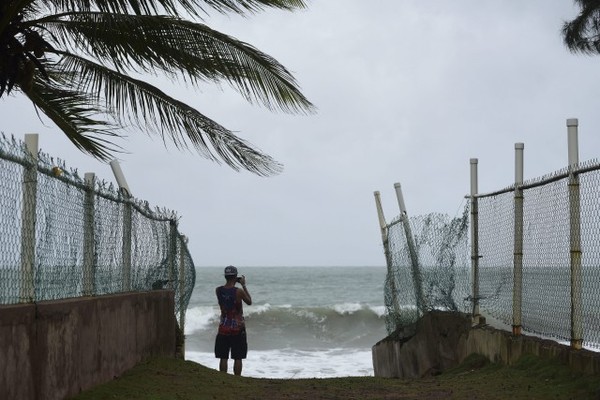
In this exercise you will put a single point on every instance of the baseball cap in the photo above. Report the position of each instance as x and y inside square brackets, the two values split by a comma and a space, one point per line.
[231, 271]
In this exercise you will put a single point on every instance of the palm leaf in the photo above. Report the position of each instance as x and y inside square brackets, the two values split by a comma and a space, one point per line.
[132, 101]
[173, 7]
[91, 100]
[71, 111]
[183, 48]
[242, 6]
[582, 34]
[11, 9]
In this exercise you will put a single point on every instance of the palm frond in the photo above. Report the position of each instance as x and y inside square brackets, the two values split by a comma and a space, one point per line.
[183, 48]
[10, 10]
[173, 7]
[74, 58]
[20, 46]
[70, 110]
[582, 34]
[132, 101]
[139, 7]
[243, 6]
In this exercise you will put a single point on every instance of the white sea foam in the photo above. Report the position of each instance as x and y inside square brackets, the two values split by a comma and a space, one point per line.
[199, 318]
[257, 309]
[351, 308]
[379, 310]
[309, 315]
[294, 364]
[347, 308]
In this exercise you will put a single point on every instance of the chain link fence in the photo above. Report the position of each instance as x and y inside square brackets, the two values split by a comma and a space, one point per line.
[64, 237]
[560, 278]
[548, 297]
[441, 278]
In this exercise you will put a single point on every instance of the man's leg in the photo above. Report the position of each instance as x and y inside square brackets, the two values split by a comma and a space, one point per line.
[239, 349]
[223, 365]
[237, 367]
[222, 351]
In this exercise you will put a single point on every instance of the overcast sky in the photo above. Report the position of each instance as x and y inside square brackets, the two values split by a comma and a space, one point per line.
[407, 91]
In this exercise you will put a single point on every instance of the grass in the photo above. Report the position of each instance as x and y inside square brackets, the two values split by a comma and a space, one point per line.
[477, 378]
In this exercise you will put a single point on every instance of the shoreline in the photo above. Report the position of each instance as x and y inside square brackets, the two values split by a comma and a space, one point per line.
[295, 364]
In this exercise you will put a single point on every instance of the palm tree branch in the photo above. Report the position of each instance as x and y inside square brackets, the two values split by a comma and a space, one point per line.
[582, 34]
[180, 48]
[71, 112]
[173, 7]
[133, 101]
[243, 6]
[11, 9]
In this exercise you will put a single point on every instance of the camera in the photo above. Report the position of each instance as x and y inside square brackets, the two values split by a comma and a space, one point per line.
[238, 279]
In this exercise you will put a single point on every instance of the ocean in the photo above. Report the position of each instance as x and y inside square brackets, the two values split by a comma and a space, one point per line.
[305, 322]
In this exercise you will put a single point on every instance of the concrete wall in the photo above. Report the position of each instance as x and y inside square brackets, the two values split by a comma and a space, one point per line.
[56, 349]
[442, 340]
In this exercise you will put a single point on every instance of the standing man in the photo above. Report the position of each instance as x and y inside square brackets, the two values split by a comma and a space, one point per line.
[232, 328]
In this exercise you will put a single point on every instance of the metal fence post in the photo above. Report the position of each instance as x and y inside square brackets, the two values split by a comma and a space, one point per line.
[386, 249]
[127, 224]
[88, 236]
[182, 247]
[575, 235]
[126, 250]
[27, 290]
[518, 242]
[172, 252]
[475, 242]
[412, 249]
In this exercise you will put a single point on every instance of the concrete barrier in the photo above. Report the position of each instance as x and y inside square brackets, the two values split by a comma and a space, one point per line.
[441, 340]
[56, 349]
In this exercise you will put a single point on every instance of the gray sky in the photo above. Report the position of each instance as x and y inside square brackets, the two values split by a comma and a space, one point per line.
[407, 91]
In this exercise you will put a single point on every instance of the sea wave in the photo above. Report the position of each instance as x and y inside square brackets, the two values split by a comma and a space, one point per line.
[274, 327]
[200, 318]
[351, 308]
[203, 317]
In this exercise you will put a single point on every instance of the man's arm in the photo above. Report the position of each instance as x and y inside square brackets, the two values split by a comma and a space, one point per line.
[244, 292]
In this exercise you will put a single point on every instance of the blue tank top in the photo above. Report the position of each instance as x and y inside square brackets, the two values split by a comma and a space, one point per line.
[232, 314]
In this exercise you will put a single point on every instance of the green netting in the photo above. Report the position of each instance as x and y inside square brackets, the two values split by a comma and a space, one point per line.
[441, 254]
[81, 235]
